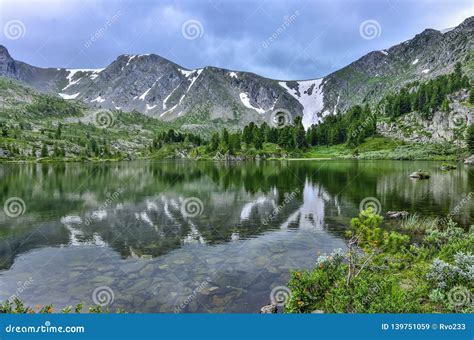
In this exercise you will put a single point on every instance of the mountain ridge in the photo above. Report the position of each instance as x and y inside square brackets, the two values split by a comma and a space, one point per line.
[160, 88]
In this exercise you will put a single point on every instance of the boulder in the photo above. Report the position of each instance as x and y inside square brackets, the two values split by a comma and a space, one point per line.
[469, 160]
[397, 214]
[420, 174]
[269, 309]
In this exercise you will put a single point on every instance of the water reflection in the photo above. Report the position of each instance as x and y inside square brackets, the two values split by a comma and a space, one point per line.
[122, 224]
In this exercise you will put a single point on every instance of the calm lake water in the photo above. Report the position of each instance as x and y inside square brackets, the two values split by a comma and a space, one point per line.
[197, 236]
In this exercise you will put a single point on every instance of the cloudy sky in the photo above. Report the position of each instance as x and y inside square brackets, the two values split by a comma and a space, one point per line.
[282, 39]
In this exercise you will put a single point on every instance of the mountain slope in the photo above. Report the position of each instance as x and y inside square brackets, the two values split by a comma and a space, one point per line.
[160, 88]
[427, 55]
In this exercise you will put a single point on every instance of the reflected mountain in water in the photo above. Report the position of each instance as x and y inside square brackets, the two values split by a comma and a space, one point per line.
[136, 208]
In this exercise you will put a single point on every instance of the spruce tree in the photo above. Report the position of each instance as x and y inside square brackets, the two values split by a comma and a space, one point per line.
[300, 134]
[470, 138]
[259, 139]
[44, 151]
[214, 144]
[471, 95]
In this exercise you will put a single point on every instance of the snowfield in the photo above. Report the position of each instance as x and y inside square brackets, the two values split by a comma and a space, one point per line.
[244, 98]
[310, 95]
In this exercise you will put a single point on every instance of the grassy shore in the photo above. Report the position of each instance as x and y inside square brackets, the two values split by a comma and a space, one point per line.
[391, 272]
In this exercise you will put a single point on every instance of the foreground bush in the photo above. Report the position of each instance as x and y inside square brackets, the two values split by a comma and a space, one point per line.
[384, 272]
[16, 306]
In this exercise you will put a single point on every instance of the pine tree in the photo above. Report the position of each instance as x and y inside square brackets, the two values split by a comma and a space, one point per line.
[471, 95]
[248, 133]
[470, 138]
[57, 151]
[259, 139]
[58, 131]
[44, 151]
[225, 137]
[300, 134]
[214, 144]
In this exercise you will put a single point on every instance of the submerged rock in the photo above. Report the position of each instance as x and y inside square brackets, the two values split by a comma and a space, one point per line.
[446, 167]
[397, 214]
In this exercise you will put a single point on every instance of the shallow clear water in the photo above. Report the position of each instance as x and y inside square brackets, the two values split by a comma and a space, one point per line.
[195, 236]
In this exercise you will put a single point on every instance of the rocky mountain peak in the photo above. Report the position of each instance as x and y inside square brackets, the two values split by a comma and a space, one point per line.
[158, 87]
[4, 54]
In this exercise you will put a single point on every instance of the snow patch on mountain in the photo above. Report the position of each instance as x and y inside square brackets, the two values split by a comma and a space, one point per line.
[244, 98]
[195, 75]
[168, 97]
[130, 58]
[99, 99]
[415, 61]
[142, 97]
[310, 95]
[72, 72]
[186, 73]
[68, 96]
